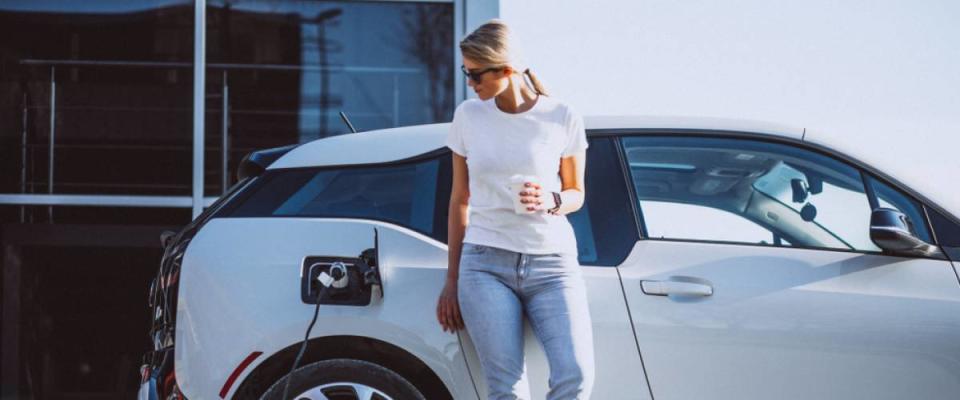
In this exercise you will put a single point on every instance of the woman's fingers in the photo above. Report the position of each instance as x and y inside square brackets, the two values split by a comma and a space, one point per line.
[534, 204]
[450, 321]
[445, 319]
[531, 196]
[451, 315]
[448, 310]
[448, 314]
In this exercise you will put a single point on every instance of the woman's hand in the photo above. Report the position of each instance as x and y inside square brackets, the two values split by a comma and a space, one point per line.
[448, 309]
[531, 196]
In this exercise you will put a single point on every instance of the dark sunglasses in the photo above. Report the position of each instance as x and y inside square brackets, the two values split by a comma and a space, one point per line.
[477, 76]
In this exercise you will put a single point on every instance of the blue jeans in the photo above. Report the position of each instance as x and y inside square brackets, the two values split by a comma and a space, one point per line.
[497, 287]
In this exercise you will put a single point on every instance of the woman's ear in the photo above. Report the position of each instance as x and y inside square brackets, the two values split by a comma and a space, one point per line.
[507, 71]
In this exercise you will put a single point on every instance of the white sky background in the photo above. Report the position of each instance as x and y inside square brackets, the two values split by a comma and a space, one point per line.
[879, 79]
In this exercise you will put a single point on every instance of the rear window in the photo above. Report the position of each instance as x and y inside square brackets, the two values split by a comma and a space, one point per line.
[412, 194]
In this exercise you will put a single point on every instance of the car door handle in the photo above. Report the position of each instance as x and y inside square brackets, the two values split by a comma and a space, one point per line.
[676, 288]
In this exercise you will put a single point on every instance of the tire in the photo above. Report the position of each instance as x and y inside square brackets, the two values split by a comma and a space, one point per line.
[344, 378]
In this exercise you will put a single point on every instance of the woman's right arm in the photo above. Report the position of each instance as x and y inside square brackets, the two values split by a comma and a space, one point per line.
[448, 309]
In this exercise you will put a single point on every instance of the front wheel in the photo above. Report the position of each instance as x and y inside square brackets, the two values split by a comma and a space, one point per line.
[344, 379]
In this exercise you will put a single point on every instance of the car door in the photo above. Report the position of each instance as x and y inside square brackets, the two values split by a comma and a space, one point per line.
[757, 277]
[605, 234]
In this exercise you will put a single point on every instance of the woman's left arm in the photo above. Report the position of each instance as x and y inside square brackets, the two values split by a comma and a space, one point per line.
[572, 190]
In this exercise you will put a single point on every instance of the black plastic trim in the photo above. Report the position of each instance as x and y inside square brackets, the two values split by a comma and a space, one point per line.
[254, 163]
[638, 221]
[413, 159]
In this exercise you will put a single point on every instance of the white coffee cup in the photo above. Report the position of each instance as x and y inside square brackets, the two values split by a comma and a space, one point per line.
[516, 186]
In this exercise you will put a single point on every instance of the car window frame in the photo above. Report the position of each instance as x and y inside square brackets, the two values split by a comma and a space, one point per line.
[863, 168]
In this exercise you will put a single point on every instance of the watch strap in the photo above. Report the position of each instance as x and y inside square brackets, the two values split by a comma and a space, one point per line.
[556, 201]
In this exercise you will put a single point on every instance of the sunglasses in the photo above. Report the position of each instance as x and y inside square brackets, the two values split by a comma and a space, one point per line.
[477, 76]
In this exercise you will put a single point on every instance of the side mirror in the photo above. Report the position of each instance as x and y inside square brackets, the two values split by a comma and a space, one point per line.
[892, 231]
[165, 238]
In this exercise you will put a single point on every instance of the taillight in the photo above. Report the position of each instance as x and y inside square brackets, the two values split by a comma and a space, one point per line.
[145, 373]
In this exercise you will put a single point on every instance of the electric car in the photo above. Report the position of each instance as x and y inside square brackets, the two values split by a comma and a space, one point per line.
[724, 260]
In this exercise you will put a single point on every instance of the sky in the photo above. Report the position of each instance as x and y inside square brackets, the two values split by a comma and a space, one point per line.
[879, 80]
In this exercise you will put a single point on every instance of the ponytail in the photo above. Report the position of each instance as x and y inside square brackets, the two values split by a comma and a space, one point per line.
[537, 86]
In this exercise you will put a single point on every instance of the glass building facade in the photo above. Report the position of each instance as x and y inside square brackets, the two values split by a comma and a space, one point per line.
[114, 128]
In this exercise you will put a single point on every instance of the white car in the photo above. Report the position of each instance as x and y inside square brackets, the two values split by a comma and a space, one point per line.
[723, 260]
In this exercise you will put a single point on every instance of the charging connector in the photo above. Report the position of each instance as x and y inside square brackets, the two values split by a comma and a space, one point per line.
[350, 280]
[334, 281]
[337, 273]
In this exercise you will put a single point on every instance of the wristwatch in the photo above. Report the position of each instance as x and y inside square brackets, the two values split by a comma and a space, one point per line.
[556, 200]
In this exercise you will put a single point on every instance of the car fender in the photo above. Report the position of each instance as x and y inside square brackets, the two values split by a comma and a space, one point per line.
[240, 293]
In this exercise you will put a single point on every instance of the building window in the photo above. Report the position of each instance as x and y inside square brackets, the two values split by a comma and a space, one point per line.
[283, 71]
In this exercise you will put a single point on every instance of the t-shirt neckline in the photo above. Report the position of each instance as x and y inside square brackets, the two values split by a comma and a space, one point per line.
[493, 103]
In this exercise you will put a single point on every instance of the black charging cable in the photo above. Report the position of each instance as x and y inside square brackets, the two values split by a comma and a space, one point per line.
[336, 274]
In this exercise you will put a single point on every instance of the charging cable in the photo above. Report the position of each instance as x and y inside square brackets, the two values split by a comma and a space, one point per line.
[338, 279]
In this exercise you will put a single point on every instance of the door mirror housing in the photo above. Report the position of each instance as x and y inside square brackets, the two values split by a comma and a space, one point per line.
[893, 232]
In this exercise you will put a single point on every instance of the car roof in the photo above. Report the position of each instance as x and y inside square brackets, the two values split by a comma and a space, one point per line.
[409, 141]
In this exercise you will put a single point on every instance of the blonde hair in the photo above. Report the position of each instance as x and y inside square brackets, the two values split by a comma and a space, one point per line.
[489, 45]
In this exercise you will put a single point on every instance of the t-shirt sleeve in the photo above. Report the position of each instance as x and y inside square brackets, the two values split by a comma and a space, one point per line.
[455, 137]
[576, 135]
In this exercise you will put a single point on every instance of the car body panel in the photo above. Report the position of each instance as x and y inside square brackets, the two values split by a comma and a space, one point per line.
[240, 293]
[793, 323]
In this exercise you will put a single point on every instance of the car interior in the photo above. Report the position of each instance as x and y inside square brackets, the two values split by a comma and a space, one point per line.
[777, 191]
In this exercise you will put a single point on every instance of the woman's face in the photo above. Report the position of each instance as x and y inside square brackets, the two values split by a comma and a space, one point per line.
[491, 83]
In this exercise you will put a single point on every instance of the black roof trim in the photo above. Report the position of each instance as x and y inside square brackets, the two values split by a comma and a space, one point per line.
[413, 159]
[255, 162]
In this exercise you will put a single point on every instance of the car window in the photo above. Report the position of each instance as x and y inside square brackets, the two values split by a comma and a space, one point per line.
[888, 197]
[661, 217]
[406, 194]
[417, 195]
[747, 191]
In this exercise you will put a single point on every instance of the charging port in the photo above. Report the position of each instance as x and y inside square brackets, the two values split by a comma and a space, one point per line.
[348, 279]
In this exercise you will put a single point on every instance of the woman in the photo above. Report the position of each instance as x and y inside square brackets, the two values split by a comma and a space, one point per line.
[504, 264]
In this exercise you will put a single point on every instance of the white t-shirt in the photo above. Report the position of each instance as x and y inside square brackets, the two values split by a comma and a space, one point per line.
[498, 145]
